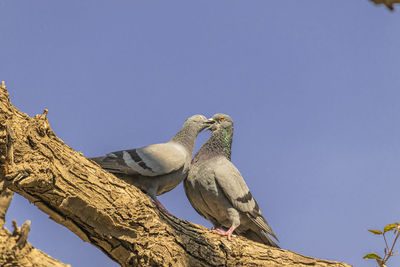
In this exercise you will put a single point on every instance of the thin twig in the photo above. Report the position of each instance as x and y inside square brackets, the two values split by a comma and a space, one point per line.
[391, 250]
[387, 247]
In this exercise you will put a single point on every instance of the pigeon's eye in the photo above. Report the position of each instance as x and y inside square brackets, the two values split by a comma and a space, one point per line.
[221, 119]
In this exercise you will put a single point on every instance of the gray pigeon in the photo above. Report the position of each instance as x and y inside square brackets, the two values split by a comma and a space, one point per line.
[217, 191]
[158, 168]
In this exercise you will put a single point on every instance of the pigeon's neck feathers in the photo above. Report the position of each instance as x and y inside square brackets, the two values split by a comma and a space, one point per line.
[219, 144]
[186, 137]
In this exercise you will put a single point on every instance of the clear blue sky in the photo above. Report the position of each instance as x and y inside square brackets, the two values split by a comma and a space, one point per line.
[313, 88]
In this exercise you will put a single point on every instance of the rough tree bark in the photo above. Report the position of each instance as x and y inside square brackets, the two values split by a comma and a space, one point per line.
[14, 250]
[107, 212]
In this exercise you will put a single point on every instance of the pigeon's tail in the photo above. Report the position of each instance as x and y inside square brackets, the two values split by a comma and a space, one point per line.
[262, 224]
[260, 236]
[107, 165]
[115, 164]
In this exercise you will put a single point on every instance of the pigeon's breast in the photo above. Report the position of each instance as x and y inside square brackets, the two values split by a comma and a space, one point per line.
[206, 195]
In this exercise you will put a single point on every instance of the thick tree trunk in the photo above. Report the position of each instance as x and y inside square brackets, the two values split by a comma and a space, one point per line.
[14, 250]
[109, 213]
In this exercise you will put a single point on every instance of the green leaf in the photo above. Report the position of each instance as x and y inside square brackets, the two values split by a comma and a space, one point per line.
[389, 227]
[377, 232]
[372, 256]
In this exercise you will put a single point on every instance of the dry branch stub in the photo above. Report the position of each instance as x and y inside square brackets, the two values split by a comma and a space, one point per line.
[388, 3]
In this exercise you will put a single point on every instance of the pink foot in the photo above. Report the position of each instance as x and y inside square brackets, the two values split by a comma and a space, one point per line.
[228, 233]
[161, 206]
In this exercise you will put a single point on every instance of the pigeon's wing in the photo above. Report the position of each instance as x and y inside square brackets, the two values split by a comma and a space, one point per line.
[236, 191]
[153, 160]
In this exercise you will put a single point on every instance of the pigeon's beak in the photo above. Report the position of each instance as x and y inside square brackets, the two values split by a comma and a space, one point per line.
[209, 123]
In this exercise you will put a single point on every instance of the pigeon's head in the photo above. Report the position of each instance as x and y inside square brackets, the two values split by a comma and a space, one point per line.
[221, 121]
[198, 121]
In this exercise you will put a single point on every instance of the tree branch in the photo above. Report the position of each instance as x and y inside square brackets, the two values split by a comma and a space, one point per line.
[111, 214]
[388, 3]
[14, 248]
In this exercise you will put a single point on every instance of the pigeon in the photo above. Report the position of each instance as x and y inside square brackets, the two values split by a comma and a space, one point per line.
[218, 192]
[159, 168]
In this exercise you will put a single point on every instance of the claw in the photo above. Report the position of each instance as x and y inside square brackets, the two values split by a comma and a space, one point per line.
[228, 233]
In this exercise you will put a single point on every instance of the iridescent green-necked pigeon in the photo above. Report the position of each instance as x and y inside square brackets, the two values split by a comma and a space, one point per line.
[218, 192]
